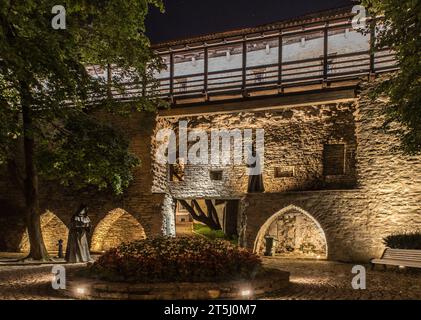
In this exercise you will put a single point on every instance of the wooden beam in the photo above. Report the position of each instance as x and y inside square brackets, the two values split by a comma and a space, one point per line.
[171, 74]
[244, 71]
[325, 52]
[206, 72]
[280, 39]
[310, 98]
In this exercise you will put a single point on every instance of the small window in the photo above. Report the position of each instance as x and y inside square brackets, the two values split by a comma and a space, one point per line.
[334, 159]
[216, 174]
[284, 172]
[176, 172]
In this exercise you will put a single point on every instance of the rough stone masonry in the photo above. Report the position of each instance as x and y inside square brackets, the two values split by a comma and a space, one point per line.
[374, 192]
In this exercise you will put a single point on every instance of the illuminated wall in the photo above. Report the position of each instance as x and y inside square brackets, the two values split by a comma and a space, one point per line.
[115, 228]
[296, 234]
[379, 192]
[53, 229]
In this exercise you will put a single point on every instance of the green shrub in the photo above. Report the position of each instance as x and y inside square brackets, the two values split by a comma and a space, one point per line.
[208, 232]
[192, 259]
[212, 234]
[408, 240]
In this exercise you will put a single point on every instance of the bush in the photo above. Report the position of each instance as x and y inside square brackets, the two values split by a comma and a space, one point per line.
[408, 240]
[182, 259]
[213, 234]
[208, 232]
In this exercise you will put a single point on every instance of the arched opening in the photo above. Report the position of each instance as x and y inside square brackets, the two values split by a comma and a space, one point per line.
[53, 230]
[117, 227]
[297, 235]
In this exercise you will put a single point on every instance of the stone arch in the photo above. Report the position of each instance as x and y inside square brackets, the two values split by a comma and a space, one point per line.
[52, 228]
[312, 241]
[116, 227]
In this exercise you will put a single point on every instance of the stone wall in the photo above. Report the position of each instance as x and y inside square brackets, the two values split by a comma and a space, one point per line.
[379, 193]
[140, 204]
[296, 235]
[53, 230]
[386, 199]
[268, 281]
[294, 138]
[116, 228]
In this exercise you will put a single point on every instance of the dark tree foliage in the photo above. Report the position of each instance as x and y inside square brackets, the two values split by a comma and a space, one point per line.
[48, 99]
[401, 31]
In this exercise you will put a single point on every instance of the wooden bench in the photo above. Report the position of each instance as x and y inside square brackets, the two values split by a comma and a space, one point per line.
[399, 257]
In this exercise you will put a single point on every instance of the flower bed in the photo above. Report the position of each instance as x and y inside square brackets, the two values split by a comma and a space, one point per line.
[192, 259]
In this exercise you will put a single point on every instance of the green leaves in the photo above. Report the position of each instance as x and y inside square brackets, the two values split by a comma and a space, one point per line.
[10, 129]
[85, 153]
[72, 147]
[402, 32]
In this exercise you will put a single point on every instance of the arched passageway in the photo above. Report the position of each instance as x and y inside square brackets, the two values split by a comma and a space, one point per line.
[117, 227]
[297, 235]
[53, 229]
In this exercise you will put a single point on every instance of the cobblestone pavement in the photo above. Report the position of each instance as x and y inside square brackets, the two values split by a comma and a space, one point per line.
[28, 283]
[309, 280]
[325, 280]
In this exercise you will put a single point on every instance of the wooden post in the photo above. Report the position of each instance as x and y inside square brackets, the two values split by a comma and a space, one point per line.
[244, 67]
[171, 75]
[325, 54]
[206, 73]
[280, 39]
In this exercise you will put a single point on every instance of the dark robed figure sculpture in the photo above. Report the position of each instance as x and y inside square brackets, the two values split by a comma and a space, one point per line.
[77, 244]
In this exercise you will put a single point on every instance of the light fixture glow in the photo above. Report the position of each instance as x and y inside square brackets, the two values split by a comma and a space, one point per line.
[81, 291]
[246, 293]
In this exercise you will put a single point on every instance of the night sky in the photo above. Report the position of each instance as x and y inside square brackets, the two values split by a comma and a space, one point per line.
[188, 18]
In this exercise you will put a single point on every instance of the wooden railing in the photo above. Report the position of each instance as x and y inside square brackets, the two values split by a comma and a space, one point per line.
[286, 74]
[322, 68]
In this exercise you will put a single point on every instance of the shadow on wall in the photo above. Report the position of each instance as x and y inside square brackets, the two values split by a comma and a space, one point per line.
[12, 226]
[116, 227]
[297, 235]
[53, 229]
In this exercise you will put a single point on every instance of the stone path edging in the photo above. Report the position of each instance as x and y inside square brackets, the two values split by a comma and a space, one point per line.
[271, 281]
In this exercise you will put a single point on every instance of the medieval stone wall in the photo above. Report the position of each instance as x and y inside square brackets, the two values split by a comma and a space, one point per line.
[142, 207]
[386, 201]
[294, 138]
[296, 235]
[379, 193]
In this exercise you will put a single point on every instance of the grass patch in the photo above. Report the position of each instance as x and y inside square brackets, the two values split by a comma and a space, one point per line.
[212, 234]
